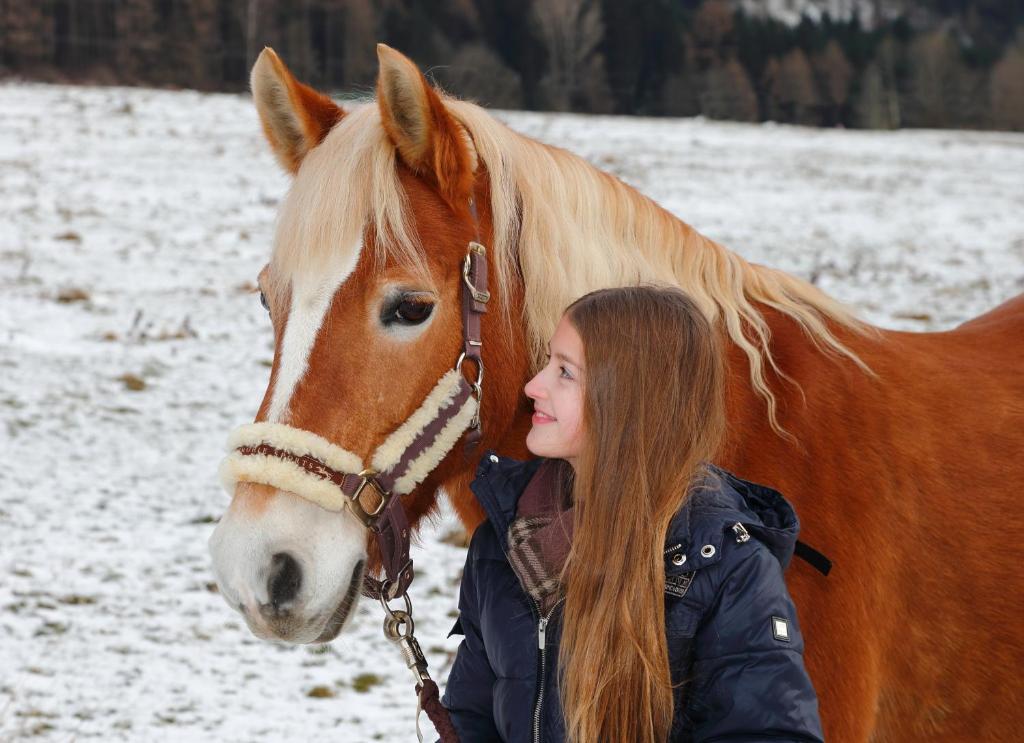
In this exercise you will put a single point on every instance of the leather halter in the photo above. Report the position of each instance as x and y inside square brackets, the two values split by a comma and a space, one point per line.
[314, 468]
[318, 470]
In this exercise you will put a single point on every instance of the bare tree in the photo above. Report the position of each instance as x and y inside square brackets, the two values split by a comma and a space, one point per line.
[26, 36]
[793, 94]
[712, 28]
[728, 93]
[477, 73]
[359, 60]
[834, 75]
[571, 31]
[936, 83]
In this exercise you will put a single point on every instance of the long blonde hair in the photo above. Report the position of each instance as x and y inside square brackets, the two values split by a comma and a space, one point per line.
[654, 413]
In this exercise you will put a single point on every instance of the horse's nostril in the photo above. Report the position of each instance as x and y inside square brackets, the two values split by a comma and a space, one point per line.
[284, 581]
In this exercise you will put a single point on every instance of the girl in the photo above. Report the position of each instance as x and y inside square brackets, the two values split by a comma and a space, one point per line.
[622, 588]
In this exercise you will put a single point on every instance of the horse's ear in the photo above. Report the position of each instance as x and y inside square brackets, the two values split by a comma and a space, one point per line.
[429, 139]
[295, 117]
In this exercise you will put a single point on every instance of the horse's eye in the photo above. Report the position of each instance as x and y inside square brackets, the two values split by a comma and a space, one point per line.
[264, 302]
[412, 312]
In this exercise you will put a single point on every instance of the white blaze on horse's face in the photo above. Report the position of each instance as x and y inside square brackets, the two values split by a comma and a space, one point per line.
[291, 568]
[311, 297]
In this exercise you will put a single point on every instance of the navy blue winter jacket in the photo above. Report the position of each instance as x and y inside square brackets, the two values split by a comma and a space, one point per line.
[732, 629]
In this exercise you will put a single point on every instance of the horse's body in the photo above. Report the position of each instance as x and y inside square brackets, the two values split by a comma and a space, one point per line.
[909, 481]
[900, 451]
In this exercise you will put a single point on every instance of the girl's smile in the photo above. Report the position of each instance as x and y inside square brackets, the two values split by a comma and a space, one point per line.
[540, 418]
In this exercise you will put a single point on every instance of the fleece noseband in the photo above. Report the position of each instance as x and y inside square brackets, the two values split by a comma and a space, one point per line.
[334, 478]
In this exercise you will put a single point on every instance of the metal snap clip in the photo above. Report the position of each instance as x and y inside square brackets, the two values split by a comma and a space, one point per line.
[678, 559]
[708, 550]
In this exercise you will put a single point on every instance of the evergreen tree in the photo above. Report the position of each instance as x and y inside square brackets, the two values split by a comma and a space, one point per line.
[642, 49]
[682, 89]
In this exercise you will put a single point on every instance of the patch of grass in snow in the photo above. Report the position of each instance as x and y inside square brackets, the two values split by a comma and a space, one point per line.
[133, 382]
[74, 599]
[38, 728]
[72, 294]
[16, 426]
[52, 628]
[320, 692]
[366, 681]
[324, 649]
[122, 410]
[31, 723]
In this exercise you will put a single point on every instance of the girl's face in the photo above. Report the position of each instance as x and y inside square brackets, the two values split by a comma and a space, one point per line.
[557, 396]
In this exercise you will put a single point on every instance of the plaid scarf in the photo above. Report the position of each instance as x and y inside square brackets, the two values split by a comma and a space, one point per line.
[540, 536]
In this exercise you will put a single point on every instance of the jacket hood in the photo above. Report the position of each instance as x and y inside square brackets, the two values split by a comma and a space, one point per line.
[761, 510]
[721, 504]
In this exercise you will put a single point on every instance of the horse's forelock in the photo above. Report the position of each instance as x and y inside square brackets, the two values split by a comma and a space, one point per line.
[348, 186]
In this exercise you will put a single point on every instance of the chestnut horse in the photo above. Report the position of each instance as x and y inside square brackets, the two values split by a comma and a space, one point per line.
[901, 451]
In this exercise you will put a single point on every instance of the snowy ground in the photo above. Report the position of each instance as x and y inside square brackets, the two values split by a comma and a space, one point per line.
[132, 226]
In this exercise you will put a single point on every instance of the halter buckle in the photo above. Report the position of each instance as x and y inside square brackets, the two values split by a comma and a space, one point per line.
[483, 297]
[477, 387]
[479, 383]
[368, 518]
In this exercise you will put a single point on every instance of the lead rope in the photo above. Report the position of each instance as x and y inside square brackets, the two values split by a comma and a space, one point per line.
[428, 698]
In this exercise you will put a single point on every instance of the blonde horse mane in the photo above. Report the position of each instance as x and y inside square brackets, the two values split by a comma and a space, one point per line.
[569, 227]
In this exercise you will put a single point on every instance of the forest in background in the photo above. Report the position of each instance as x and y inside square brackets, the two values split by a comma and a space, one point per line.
[935, 63]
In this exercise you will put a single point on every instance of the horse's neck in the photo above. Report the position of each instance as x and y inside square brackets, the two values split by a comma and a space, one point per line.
[824, 397]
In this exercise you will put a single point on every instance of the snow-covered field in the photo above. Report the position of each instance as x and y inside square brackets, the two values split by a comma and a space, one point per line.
[132, 226]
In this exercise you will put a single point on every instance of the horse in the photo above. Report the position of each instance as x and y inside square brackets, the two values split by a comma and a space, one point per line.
[899, 450]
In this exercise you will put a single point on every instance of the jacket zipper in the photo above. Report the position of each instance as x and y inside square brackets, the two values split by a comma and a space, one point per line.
[542, 627]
